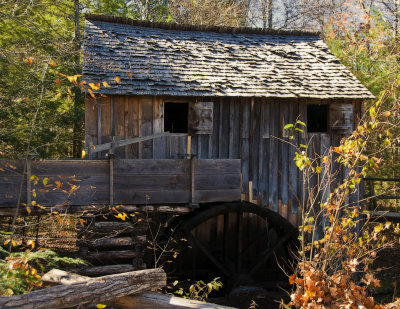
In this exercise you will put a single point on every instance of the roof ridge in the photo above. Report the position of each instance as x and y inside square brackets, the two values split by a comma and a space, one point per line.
[202, 28]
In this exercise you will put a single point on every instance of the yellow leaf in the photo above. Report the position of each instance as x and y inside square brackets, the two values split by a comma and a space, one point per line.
[31, 243]
[58, 95]
[118, 79]
[75, 78]
[101, 306]
[32, 177]
[52, 63]
[45, 181]
[94, 86]
[33, 193]
[69, 91]
[83, 154]
[13, 243]
[105, 84]
[33, 203]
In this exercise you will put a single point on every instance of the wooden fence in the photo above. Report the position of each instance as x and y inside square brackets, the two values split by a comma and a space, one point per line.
[118, 181]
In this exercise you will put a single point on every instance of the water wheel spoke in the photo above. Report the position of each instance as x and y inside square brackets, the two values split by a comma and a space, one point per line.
[254, 243]
[217, 263]
[266, 257]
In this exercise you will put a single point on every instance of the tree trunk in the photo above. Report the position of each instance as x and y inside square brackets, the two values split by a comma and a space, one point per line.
[77, 135]
[100, 289]
[270, 14]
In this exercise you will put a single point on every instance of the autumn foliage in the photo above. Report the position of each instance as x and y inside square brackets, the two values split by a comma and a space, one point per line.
[334, 267]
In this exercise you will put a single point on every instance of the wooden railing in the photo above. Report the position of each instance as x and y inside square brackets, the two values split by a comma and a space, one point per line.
[118, 181]
[373, 195]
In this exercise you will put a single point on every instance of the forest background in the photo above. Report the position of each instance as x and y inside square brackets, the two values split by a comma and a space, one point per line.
[43, 112]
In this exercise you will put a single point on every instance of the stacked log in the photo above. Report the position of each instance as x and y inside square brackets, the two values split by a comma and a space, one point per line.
[112, 245]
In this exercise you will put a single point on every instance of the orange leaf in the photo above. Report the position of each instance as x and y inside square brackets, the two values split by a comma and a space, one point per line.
[29, 60]
[291, 279]
[130, 75]
[58, 82]
[118, 79]
[91, 93]
[58, 183]
[52, 63]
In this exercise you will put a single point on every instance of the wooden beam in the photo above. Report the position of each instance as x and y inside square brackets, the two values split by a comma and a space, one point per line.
[97, 290]
[125, 142]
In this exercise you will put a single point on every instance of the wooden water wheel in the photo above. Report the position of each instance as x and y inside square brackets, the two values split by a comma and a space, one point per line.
[240, 242]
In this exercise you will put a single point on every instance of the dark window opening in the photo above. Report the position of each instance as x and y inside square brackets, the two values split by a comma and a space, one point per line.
[176, 117]
[317, 118]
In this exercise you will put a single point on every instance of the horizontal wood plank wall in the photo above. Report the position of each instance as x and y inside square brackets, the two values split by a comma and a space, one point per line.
[141, 182]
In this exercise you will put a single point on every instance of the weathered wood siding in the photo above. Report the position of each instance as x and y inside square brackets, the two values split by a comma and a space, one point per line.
[243, 128]
[134, 182]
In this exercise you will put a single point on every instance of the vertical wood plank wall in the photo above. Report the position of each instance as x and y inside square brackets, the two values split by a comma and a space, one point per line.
[245, 128]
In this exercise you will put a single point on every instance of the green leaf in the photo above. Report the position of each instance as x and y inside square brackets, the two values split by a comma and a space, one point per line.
[301, 123]
[289, 125]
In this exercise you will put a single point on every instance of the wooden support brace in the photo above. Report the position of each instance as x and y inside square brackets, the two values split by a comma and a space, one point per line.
[125, 142]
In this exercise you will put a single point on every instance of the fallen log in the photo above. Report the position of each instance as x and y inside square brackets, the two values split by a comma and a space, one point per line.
[92, 290]
[112, 255]
[151, 300]
[113, 242]
[57, 277]
[96, 271]
[146, 300]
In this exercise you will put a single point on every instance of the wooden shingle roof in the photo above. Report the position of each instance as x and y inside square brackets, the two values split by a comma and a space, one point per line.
[174, 60]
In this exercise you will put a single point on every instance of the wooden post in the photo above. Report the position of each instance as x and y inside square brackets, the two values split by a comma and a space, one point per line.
[372, 202]
[111, 163]
[98, 126]
[192, 172]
